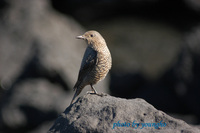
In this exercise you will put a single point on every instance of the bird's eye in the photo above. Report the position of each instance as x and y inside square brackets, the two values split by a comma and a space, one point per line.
[91, 35]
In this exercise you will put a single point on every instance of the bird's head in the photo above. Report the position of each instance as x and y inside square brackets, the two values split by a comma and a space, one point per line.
[92, 38]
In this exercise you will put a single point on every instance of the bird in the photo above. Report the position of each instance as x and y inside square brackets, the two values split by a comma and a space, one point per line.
[95, 65]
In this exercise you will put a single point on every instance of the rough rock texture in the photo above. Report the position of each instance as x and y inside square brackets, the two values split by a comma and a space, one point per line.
[92, 113]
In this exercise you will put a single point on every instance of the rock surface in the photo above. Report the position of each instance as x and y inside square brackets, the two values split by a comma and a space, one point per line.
[92, 113]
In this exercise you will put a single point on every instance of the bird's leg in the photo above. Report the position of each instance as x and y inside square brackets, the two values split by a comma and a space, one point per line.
[92, 87]
[95, 92]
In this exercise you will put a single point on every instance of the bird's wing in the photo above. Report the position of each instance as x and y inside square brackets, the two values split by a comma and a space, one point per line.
[88, 63]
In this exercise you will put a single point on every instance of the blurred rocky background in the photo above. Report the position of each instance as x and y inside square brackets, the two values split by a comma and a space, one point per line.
[155, 46]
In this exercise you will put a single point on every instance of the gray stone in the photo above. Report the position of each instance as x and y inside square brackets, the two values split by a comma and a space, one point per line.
[193, 5]
[39, 59]
[32, 102]
[92, 113]
[36, 41]
[32, 30]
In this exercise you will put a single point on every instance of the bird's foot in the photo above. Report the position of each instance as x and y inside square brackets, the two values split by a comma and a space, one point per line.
[90, 92]
[98, 94]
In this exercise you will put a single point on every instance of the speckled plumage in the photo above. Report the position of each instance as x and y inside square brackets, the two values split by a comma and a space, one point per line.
[96, 62]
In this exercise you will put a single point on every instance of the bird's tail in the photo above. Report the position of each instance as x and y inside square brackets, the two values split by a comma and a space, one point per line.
[73, 97]
[78, 91]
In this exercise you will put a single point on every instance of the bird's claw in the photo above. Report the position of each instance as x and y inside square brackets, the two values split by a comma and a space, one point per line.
[90, 92]
[98, 94]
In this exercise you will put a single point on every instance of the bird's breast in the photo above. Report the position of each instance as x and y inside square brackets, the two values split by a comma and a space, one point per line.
[103, 66]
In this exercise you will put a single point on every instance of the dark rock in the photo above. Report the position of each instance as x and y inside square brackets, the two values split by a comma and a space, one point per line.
[31, 32]
[155, 61]
[39, 60]
[87, 13]
[92, 113]
[32, 103]
[182, 79]
[141, 46]
[142, 52]
[38, 42]
[193, 4]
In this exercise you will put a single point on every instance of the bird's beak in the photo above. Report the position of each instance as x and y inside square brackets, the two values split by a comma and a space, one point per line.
[80, 37]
